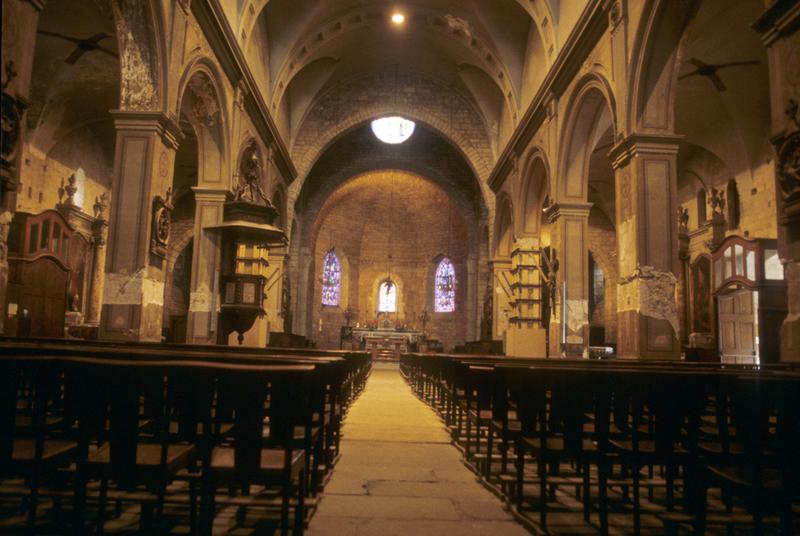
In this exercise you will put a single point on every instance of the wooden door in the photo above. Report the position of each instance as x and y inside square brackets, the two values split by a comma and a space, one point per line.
[44, 295]
[737, 325]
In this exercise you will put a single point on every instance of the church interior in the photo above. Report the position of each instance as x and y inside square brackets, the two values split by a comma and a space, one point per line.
[394, 267]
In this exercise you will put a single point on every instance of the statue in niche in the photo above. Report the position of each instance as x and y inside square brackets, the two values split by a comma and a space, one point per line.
[249, 188]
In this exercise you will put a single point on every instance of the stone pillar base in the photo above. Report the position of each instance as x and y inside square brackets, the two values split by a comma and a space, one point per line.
[790, 339]
[644, 337]
[790, 328]
[132, 322]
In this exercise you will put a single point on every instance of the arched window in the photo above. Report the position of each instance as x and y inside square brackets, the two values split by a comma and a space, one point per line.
[733, 205]
[701, 206]
[444, 298]
[387, 297]
[331, 279]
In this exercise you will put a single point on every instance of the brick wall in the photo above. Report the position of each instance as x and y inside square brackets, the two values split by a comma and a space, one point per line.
[397, 213]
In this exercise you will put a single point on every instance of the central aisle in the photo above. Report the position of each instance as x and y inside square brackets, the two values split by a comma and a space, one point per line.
[399, 474]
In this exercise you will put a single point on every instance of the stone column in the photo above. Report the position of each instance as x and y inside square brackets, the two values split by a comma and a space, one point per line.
[133, 300]
[779, 26]
[570, 240]
[201, 327]
[97, 282]
[303, 313]
[20, 21]
[647, 236]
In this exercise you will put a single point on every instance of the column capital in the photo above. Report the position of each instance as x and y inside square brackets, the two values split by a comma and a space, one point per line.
[210, 195]
[638, 143]
[166, 126]
[558, 210]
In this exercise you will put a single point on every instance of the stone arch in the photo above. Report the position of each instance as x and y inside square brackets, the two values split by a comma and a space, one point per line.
[143, 68]
[201, 98]
[654, 73]
[335, 113]
[464, 129]
[593, 113]
[535, 187]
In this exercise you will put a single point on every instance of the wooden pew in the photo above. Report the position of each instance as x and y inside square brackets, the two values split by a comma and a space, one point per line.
[338, 378]
[661, 410]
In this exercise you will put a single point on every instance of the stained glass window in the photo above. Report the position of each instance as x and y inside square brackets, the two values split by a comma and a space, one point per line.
[387, 297]
[445, 288]
[331, 279]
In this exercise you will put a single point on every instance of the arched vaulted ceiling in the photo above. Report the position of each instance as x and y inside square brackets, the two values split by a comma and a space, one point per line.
[492, 53]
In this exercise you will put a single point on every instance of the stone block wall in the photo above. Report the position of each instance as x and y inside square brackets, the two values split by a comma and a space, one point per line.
[383, 214]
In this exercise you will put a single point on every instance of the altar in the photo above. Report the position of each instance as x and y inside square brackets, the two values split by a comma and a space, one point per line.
[386, 343]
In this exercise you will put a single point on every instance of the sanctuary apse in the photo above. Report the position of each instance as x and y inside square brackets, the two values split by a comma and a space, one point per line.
[564, 178]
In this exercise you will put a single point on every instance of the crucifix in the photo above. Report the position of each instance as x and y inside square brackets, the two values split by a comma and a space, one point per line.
[349, 314]
[424, 317]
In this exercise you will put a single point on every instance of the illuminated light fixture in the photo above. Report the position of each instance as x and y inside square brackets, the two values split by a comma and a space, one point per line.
[398, 18]
[393, 129]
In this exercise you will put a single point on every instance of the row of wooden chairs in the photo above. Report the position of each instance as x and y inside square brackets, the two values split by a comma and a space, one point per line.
[88, 425]
[534, 427]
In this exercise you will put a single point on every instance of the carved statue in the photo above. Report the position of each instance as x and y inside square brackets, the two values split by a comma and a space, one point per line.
[162, 217]
[250, 171]
[100, 206]
[551, 284]
[683, 220]
[717, 201]
[69, 190]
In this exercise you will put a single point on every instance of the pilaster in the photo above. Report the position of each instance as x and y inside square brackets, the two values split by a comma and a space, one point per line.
[133, 301]
[647, 234]
[203, 301]
[570, 327]
[778, 26]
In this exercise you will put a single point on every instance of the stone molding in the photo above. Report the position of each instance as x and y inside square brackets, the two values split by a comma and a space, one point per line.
[165, 126]
[585, 35]
[635, 144]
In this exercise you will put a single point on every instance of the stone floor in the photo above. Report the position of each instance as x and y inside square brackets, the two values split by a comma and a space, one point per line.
[399, 474]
